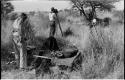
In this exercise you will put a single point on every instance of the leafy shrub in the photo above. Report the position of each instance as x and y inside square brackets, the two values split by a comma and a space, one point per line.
[68, 32]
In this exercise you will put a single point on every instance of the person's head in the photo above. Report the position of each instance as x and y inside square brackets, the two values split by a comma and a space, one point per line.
[23, 16]
[52, 9]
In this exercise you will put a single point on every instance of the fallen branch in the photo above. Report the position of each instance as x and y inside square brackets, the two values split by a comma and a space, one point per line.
[41, 57]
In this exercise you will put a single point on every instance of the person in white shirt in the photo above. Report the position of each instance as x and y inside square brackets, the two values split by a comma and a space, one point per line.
[52, 19]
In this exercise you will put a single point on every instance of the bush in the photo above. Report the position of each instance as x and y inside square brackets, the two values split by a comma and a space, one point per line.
[107, 21]
[68, 32]
[119, 15]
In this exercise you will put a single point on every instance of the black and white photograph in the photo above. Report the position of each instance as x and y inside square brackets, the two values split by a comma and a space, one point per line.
[62, 39]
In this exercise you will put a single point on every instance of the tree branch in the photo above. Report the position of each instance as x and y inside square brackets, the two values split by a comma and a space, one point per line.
[93, 8]
[83, 11]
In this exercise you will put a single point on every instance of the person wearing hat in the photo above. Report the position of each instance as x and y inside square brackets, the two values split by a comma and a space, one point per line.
[52, 19]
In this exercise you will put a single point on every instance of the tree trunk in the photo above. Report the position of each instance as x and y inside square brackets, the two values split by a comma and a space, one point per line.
[20, 53]
[16, 50]
[23, 56]
[80, 13]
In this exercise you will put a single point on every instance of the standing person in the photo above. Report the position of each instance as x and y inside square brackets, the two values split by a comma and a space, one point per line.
[52, 18]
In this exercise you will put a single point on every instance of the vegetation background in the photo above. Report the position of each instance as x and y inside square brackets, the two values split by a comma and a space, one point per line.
[103, 53]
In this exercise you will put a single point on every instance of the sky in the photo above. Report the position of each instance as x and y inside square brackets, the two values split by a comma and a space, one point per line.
[120, 5]
[45, 5]
[39, 5]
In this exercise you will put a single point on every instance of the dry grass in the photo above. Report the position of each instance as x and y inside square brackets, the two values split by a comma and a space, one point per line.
[103, 53]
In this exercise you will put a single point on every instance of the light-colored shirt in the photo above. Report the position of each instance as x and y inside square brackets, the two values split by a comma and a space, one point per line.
[52, 16]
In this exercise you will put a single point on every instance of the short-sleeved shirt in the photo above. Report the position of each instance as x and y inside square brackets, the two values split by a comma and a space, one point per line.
[52, 16]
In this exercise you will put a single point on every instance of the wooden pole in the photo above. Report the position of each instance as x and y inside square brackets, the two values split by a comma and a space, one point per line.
[59, 24]
[23, 56]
